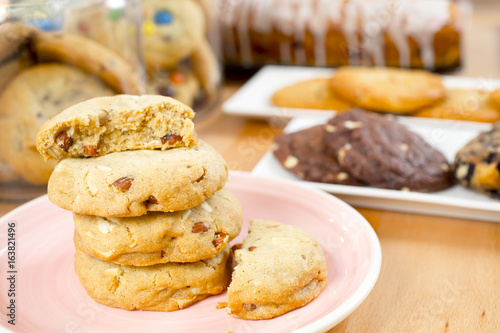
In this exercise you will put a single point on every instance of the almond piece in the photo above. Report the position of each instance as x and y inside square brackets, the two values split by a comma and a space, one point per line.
[171, 139]
[199, 227]
[251, 248]
[64, 141]
[91, 150]
[219, 239]
[123, 183]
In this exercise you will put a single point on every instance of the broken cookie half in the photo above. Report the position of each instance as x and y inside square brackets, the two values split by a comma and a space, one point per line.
[105, 125]
[278, 268]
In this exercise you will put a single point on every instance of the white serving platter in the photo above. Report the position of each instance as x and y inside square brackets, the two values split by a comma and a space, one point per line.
[253, 99]
[447, 136]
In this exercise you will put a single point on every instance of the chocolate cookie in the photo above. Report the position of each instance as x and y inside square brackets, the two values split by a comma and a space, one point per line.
[477, 164]
[304, 154]
[383, 153]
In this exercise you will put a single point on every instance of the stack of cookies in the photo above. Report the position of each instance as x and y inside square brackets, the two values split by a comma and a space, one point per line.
[152, 216]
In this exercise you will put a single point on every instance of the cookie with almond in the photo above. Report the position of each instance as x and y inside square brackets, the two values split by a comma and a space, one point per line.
[278, 268]
[104, 125]
[131, 183]
[162, 287]
[157, 237]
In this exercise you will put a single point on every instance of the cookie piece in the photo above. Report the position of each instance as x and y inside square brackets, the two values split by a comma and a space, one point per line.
[382, 153]
[14, 36]
[184, 236]
[388, 89]
[34, 96]
[9, 69]
[173, 29]
[278, 268]
[463, 104]
[310, 94]
[179, 84]
[111, 124]
[89, 56]
[131, 183]
[304, 154]
[477, 164]
[495, 98]
[162, 287]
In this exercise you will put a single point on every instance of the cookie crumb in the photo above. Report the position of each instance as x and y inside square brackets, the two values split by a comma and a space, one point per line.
[221, 305]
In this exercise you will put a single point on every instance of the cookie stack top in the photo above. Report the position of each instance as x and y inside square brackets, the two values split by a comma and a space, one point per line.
[132, 171]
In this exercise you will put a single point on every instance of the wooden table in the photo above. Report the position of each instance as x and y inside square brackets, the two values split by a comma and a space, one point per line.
[438, 274]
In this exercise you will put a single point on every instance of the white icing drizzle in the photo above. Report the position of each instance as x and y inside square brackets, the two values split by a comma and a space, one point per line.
[370, 19]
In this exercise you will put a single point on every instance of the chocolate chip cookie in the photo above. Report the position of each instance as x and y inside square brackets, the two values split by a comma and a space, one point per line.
[89, 56]
[383, 153]
[278, 268]
[157, 237]
[105, 125]
[35, 95]
[477, 164]
[304, 154]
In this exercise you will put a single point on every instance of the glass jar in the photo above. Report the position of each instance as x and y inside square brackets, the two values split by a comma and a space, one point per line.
[54, 54]
[181, 51]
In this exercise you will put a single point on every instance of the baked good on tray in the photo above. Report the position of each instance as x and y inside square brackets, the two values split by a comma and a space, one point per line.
[304, 154]
[387, 89]
[464, 104]
[366, 148]
[310, 94]
[477, 164]
[417, 34]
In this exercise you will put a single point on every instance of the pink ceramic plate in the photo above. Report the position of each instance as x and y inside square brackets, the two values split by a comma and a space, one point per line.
[49, 297]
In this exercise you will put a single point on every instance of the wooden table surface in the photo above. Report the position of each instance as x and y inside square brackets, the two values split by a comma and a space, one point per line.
[438, 274]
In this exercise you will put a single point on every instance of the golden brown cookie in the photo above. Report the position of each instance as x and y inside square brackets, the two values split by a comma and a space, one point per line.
[388, 89]
[495, 98]
[105, 125]
[310, 94]
[463, 104]
[89, 56]
[184, 236]
[34, 96]
[131, 183]
[162, 287]
[278, 268]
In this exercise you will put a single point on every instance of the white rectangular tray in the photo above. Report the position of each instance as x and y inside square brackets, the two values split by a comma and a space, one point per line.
[253, 99]
[447, 136]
